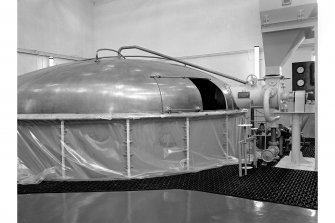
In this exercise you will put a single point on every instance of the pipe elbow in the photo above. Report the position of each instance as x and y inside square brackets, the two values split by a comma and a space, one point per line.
[266, 104]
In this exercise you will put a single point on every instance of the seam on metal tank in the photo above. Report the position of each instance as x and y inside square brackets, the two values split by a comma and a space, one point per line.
[160, 93]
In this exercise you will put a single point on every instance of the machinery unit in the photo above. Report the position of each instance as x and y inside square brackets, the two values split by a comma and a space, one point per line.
[115, 118]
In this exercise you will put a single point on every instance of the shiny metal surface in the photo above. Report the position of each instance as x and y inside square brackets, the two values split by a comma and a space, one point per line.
[154, 206]
[189, 96]
[108, 86]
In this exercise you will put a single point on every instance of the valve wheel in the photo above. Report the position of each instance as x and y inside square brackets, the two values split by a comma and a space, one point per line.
[252, 79]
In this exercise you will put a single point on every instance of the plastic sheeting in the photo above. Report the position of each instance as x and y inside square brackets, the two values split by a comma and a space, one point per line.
[107, 149]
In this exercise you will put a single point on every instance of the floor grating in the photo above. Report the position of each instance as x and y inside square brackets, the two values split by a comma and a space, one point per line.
[271, 184]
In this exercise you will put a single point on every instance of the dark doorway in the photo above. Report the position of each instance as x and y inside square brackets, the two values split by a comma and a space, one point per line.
[212, 97]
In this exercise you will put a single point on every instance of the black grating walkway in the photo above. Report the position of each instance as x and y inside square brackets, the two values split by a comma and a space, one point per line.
[308, 151]
[271, 184]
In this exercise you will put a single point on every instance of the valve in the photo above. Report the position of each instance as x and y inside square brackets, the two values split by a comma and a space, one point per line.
[269, 154]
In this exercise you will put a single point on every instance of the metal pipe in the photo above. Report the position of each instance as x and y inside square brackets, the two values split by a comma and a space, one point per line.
[265, 137]
[105, 49]
[48, 54]
[281, 142]
[273, 135]
[182, 62]
[266, 102]
[174, 110]
[252, 117]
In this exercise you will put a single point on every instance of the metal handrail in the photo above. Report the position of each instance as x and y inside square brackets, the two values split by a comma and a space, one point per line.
[180, 61]
[105, 49]
[153, 57]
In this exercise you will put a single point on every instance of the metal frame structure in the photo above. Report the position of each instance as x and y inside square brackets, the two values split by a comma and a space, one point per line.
[128, 118]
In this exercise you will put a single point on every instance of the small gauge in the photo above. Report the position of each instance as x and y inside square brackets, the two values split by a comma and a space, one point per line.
[300, 70]
[300, 83]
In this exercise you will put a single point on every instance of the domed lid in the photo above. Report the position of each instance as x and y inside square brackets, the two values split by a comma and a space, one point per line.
[120, 86]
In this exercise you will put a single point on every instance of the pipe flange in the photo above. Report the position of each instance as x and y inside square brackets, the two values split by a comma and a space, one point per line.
[270, 154]
[273, 143]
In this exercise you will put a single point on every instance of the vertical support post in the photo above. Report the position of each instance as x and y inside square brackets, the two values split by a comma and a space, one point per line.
[227, 156]
[62, 133]
[281, 144]
[252, 116]
[188, 143]
[256, 61]
[316, 93]
[128, 147]
[266, 127]
[245, 157]
[240, 159]
[295, 154]
[254, 149]
[244, 150]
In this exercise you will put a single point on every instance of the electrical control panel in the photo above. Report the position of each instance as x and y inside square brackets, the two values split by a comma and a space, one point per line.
[303, 76]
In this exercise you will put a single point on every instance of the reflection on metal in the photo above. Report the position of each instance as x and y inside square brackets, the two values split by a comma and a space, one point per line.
[111, 86]
[189, 99]
[154, 206]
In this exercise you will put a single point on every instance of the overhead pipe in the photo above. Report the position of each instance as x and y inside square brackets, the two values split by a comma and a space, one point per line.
[182, 62]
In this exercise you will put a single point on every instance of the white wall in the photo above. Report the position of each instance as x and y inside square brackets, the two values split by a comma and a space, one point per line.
[177, 27]
[56, 26]
[27, 63]
[236, 64]
[182, 28]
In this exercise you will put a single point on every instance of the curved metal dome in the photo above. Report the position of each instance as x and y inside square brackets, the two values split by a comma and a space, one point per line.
[117, 85]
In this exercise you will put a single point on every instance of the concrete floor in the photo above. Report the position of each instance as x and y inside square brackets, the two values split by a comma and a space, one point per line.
[154, 206]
